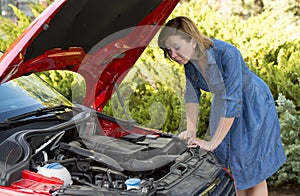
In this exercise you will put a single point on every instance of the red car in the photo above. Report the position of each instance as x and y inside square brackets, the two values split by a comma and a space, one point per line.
[50, 146]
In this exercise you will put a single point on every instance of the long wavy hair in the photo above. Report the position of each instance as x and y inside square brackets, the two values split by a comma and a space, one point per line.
[186, 29]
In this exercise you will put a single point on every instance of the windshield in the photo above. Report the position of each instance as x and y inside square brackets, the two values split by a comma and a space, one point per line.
[26, 94]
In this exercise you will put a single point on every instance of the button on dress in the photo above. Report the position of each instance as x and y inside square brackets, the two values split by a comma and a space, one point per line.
[253, 147]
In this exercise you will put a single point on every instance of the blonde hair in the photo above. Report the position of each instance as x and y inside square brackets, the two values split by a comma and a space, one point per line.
[186, 29]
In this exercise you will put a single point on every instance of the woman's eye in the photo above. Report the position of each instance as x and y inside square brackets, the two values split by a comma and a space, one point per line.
[177, 48]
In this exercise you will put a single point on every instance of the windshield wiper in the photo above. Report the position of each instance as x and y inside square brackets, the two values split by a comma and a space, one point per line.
[40, 112]
[11, 124]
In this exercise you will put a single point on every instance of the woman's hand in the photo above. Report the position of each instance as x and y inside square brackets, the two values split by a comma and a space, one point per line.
[188, 136]
[222, 130]
[202, 143]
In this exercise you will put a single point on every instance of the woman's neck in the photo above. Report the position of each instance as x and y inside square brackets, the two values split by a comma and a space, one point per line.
[201, 59]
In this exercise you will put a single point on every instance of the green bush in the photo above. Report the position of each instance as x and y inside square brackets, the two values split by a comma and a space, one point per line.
[150, 98]
[68, 83]
[289, 173]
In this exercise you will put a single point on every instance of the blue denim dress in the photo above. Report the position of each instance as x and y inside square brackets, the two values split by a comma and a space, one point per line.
[253, 147]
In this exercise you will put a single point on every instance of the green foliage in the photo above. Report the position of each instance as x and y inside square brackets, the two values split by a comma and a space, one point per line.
[150, 98]
[286, 74]
[159, 105]
[290, 133]
[37, 8]
[10, 30]
[70, 84]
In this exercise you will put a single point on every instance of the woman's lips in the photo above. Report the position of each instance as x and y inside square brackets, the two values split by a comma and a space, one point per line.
[180, 61]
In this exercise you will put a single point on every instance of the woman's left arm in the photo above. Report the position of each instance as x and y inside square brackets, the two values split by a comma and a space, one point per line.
[222, 130]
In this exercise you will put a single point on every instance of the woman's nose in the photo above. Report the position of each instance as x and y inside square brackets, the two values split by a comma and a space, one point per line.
[173, 54]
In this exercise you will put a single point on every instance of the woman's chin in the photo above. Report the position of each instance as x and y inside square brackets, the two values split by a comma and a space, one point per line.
[182, 62]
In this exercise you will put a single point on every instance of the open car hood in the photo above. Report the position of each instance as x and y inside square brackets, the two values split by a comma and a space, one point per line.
[100, 39]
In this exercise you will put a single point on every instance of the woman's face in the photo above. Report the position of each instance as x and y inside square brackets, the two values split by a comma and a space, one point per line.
[179, 49]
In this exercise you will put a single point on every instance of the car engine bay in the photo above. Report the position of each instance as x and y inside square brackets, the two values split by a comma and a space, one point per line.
[89, 161]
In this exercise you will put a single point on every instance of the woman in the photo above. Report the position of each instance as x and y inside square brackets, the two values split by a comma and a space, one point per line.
[244, 126]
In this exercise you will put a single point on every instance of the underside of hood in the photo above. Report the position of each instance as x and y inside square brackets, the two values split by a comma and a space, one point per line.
[86, 22]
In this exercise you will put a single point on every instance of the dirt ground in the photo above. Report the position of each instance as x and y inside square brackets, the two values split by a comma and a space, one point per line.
[280, 193]
[295, 191]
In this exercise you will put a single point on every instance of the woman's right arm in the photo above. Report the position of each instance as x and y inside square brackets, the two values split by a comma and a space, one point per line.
[192, 99]
[192, 110]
